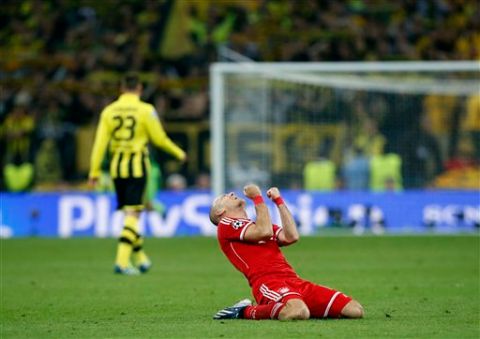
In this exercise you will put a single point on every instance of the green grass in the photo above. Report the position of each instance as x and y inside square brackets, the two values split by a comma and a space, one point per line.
[418, 287]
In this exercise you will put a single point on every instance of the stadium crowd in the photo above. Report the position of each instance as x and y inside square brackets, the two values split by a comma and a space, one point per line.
[60, 63]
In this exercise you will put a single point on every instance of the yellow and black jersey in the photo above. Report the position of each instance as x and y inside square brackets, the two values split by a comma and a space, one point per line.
[126, 126]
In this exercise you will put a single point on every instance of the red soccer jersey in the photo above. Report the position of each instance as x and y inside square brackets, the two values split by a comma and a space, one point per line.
[254, 260]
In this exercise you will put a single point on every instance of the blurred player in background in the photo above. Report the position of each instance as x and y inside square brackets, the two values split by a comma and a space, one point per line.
[126, 126]
[253, 248]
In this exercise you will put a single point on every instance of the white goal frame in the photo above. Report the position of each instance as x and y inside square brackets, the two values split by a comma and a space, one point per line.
[286, 71]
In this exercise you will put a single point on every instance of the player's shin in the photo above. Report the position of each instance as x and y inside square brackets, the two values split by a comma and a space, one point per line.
[259, 312]
[128, 236]
[140, 258]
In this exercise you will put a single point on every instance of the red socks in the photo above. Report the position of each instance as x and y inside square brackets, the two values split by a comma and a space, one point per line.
[258, 312]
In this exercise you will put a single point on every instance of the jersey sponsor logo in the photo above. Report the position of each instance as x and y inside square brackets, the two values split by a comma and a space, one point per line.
[237, 224]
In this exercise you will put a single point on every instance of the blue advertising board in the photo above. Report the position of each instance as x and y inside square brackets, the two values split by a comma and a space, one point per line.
[88, 214]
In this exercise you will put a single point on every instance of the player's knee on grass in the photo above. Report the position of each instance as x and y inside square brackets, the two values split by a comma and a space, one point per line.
[353, 310]
[294, 309]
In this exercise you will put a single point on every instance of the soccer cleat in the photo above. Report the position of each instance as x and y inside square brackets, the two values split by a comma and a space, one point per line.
[233, 312]
[125, 271]
[145, 266]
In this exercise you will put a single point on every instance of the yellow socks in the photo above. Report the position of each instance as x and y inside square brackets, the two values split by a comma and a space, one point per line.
[127, 239]
[139, 256]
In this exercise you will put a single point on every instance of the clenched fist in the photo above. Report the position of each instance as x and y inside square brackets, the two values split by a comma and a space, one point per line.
[251, 191]
[273, 193]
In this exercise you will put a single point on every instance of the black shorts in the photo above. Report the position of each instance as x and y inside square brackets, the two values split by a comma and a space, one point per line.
[130, 192]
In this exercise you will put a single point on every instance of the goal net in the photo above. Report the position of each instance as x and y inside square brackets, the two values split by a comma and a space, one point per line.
[310, 125]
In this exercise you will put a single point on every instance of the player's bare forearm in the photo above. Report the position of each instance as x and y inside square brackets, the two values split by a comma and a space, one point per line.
[289, 234]
[290, 231]
[92, 182]
[264, 223]
[262, 229]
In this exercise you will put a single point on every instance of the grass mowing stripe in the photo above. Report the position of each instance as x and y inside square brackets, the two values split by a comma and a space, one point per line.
[410, 286]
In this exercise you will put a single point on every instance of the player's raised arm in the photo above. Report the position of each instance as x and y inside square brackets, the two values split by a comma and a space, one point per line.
[160, 139]
[289, 234]
[102, 137]
[262, 229]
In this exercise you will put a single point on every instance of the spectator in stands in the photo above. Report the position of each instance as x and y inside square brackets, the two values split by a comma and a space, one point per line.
[464, 157]
[471, 123]
[16, 132]
[320, 174]
[462, 170]
[176, 182]
[56, 133]
[356, 171]
[202, 181]
[420, 154]
[367, 165]
[369, 140]
[48, 171]
[440, 111]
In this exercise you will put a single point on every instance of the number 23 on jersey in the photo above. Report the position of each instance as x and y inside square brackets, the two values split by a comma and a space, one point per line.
[125, 128]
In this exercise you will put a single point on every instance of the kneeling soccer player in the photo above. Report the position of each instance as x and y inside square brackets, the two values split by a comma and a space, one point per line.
[253, 248]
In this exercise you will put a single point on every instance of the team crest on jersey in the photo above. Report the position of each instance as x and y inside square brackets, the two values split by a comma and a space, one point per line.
[237, 224]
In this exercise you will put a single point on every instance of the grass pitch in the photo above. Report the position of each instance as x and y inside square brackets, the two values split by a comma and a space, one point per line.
[420, 287]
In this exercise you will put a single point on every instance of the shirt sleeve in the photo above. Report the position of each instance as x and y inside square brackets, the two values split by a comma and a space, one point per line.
[159, 138]
[102, 137]
[233, 229]
[276, 230]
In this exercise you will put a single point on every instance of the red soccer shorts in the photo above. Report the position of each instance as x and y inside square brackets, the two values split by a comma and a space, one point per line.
[322, 301]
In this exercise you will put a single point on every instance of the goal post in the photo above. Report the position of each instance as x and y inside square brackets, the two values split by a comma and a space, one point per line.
[268, 120]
